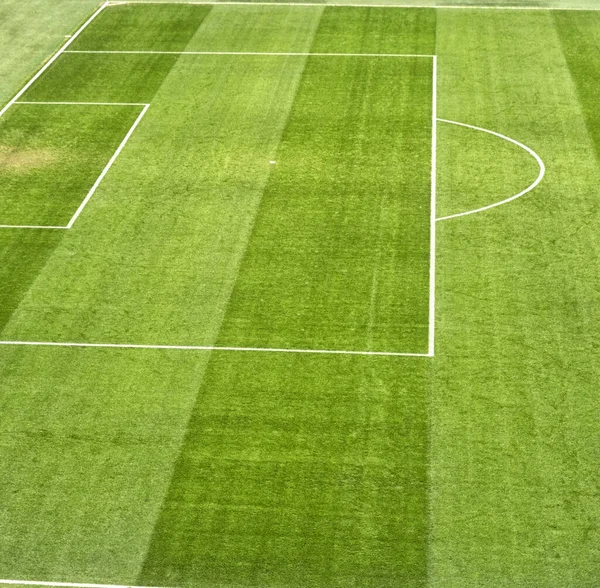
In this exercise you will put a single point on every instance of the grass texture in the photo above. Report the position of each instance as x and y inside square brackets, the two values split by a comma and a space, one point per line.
[285, 201]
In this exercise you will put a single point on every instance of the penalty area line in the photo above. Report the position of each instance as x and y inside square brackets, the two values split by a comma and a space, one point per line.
[212, 348]
[433, 212]
[68, 584]
[248, 53]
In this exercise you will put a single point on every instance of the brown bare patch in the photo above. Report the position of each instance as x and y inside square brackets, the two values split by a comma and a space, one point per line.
[23, 160]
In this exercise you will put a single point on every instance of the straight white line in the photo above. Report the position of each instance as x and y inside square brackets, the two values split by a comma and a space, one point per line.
[431, 347]
[53, 58]
[210, 348]
[358, 5]
[108, 166]
[82, 103]
[30, 227]
[506, 200]
[66, 584]
[251, 53]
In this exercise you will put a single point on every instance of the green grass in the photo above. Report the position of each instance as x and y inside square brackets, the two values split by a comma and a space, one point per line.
[50, 158]
[473, 469]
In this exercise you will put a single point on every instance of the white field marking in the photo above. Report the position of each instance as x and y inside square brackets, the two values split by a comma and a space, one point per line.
[432, 238]
[82, 103]
[30, 227]
[506, 200]
[210, 348]
[65, 584]
[53, 58]
[357, 5]
[253, 53]
[108, 166]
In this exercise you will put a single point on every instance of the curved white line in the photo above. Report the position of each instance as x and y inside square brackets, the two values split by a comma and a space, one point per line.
[514, 142]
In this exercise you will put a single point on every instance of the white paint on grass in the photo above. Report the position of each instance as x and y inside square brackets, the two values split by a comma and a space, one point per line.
[356, 5]
[108, 166]
[210, 348]
[38, 103]
[506, 200]
[53, 59]
[30, 227]
[66, 584]
[249, 53]
[432, 238]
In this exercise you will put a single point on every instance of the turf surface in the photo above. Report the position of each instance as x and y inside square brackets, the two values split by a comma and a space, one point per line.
[477, 468]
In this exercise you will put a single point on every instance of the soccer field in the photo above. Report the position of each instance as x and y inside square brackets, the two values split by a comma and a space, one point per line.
[302, 296]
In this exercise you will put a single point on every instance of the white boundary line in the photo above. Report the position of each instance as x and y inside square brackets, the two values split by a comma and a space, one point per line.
[53, 58]
[432, 237]
[506, 200]
[108, 166]
[357, 5]
[31, 227]
[82, 103]
[251, 53]
[210, 348]
[66, 584]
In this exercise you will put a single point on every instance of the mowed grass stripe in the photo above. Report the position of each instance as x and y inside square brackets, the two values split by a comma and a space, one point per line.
[300, 470]
[580, 38]
[161, 27]
[372, 30]
[256, 28]
[339, 256]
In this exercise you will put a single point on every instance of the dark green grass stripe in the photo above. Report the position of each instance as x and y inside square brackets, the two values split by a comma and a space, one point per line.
[120, 78]
[23, 254]
[76, 77]
[579, 34]
[299, 471]
[376, 30]
[339, 257]
[158, 27]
